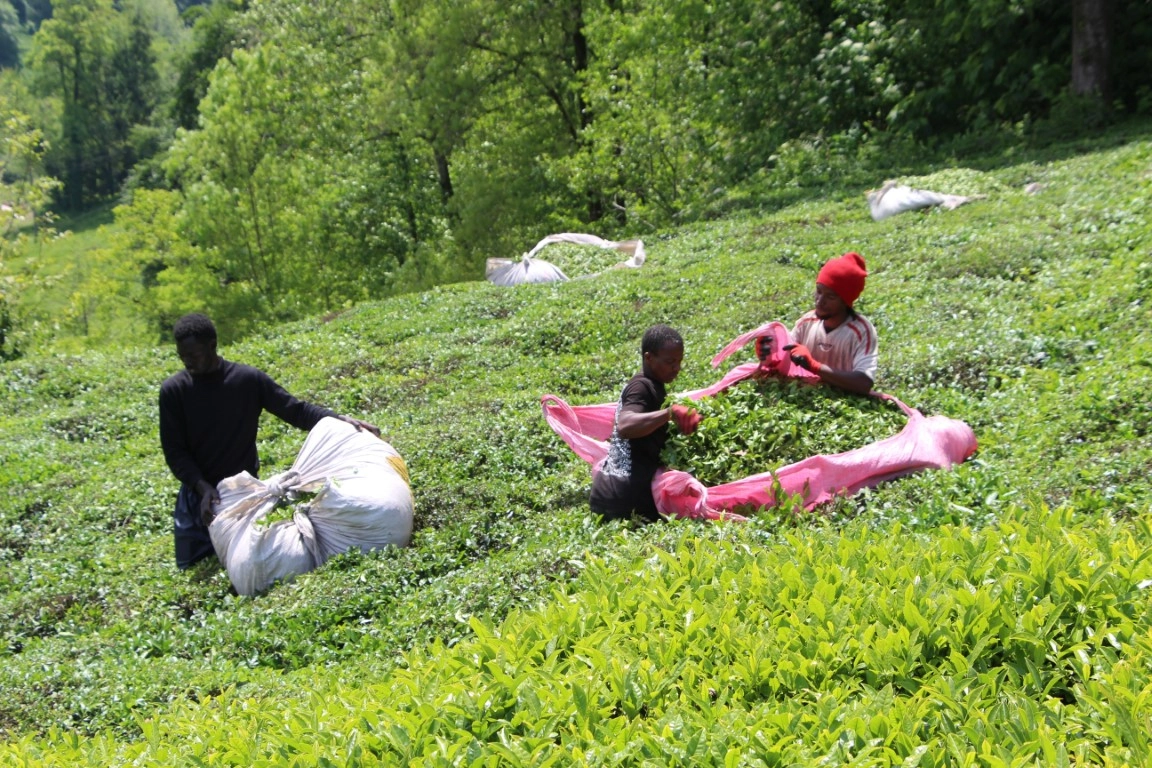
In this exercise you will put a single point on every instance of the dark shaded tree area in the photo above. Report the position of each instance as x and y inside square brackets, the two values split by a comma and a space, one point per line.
[99, 66]
[983, 63]
[9, 49]
[215, 28]
[747, 78]
[308, 156]
[107, 84]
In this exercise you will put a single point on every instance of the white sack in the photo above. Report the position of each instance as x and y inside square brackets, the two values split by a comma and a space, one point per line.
[527, 270]
[256, 555]
[362, 500]
[368, 512]
[634, 248]
[893, 198]
[533, 270]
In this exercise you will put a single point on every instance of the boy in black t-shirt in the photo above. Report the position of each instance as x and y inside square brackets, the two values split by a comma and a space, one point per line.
[623, 485]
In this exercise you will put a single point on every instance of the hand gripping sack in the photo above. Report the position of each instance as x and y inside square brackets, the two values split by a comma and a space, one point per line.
[935, 442]
[362, 500]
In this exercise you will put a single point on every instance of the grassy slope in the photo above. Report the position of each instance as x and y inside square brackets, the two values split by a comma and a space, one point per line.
[54, 267]
[1024, 315]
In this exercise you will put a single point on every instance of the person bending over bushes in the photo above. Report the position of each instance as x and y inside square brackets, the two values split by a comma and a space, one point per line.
[623, 486]
[833, 340]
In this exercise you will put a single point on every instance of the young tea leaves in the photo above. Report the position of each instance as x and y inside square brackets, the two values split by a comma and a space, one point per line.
[760, 426]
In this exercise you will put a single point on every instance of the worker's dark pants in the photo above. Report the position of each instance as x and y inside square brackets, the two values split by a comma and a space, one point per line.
[624, 498]
[193, 543]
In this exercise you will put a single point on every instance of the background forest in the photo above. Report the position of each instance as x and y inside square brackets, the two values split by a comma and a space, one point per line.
[266, 161]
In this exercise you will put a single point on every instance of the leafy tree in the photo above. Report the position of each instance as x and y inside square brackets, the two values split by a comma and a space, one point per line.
[495, 91]
[99, 65]
[281, 170]
[406, 140]
[432, 80]
[691, 97]
[149, 275]
[964, 66]
[132, 84]
[166, 23]
[69, 55]
[24, 195]
[541, 55]
[215, 32]
[9, 48]
[184, 5]
[38, 11]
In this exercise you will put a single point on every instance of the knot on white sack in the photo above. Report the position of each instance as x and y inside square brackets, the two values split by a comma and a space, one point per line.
[280, 485]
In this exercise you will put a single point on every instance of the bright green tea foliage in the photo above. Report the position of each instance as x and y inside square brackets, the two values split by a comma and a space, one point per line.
[286, 509]
[1022, 644]
[992, 614]
[760, 426]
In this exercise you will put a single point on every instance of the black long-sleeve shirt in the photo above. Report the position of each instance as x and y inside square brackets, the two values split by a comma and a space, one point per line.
[208, 423]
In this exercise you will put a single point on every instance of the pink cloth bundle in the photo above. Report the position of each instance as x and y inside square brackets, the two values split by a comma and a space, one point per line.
[926, 442]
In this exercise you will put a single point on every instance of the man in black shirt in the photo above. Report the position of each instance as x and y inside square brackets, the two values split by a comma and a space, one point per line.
[209, 414]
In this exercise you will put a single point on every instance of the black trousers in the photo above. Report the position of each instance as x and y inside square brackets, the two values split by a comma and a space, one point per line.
[193, 543]
[623, 498]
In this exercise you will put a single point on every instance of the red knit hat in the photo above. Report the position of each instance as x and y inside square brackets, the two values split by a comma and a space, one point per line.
[845, 275]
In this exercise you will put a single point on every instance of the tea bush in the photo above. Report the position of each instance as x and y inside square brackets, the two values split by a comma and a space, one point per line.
[992, 614]
[742, 647]
[761, 426]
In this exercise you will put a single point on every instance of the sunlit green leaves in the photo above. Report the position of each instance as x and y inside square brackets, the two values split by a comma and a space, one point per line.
[716, 652]
[996, 612]
[758, 427]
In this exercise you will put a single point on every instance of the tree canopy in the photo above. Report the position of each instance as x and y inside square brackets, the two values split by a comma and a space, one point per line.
[318, 154]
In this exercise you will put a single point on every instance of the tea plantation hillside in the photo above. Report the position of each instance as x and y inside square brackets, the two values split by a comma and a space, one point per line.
[997, 614]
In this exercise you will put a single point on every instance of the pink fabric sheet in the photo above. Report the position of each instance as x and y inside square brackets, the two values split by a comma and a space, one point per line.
[926, 442]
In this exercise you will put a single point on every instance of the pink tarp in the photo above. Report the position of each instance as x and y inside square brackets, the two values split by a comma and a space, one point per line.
[926, 442]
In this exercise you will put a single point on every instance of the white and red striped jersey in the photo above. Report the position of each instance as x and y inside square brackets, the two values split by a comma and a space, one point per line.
[849, 347]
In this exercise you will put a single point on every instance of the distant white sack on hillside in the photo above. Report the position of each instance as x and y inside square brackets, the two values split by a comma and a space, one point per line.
[529, 269]
[893, 198]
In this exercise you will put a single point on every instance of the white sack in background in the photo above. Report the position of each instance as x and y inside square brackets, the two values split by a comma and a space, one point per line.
[893, 198]
[507, 272]
[530, 269]
[362, 500]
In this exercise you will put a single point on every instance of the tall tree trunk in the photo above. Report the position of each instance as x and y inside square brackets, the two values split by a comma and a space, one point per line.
[580, 58]
[1091, 47]
[444, 175]
[579, 62]
[409, 209]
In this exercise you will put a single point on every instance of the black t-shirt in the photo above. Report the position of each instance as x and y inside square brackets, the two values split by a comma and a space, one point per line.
[624, 483]
[208, 423]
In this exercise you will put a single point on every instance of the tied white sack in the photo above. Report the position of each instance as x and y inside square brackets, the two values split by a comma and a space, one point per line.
[530, 269]
[362, 500]
[893, 198]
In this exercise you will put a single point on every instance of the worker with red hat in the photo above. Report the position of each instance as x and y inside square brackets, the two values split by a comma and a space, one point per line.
[833, 340]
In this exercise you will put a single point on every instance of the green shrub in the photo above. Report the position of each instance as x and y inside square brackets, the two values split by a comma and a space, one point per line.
[761, 426]
[995, 613]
